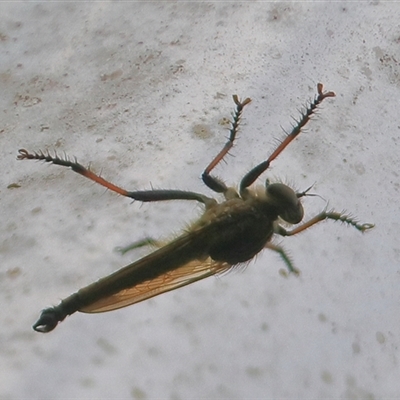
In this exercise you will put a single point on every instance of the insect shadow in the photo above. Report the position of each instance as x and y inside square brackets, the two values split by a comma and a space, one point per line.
[227, 234]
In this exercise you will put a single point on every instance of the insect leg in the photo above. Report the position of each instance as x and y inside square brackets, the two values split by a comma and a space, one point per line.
[161, 195]
[212, 182]
[281, 251]
[335, 216]
[145, 195]
[147, 241]
[252, 175]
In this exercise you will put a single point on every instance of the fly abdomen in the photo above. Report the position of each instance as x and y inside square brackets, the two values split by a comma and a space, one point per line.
[50, 317]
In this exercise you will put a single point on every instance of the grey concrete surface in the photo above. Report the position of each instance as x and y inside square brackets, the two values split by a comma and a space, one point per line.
[139, 90]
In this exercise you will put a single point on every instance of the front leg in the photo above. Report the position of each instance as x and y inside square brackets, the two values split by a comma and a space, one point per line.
[335, 216]
[281, 251]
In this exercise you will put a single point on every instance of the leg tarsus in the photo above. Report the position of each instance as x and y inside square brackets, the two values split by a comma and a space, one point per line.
[333, 215]
[281, 251]
[213, 183]
[253, 174]
[148, 241]
[74, 165]
[145, 195]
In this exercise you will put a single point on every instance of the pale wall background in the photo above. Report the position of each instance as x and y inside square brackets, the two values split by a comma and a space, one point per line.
[138, 90]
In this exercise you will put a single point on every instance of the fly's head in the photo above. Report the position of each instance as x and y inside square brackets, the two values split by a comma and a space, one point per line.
[285, 201]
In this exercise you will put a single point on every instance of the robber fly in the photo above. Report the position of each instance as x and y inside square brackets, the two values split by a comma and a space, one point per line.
[227, 234]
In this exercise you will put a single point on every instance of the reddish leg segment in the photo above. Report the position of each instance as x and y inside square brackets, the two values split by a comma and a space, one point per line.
[143, 195]
[212, 182]
[252, 175]
[333, 215]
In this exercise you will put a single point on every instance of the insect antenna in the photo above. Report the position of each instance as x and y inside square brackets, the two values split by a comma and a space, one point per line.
[305, 193]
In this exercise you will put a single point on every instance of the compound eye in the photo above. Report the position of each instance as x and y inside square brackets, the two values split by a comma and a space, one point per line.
[286, 201]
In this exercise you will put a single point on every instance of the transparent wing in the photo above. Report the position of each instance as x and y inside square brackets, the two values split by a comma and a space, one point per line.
[186, 274]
